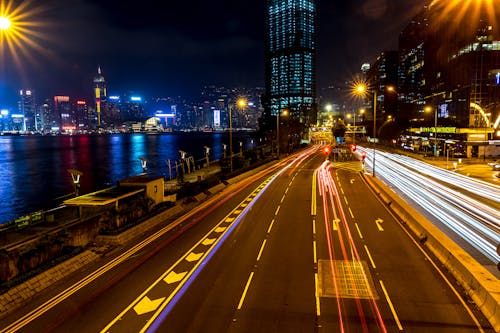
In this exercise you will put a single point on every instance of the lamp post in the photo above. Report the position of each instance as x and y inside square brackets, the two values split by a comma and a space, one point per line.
[241, 102]
[207, 152]
[429, 109]
[75, 176]
[285, 113]
[361, 89]
[144, 164]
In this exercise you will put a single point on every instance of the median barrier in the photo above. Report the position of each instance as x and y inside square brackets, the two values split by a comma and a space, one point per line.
[480, 284]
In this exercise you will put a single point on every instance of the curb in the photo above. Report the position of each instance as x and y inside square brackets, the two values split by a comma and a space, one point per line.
[480, 284]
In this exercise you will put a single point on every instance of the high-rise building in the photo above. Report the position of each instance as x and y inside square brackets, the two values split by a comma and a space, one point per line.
[449, 73]
[290, 61]
[64, 115]
[27, 108]
[99, 93]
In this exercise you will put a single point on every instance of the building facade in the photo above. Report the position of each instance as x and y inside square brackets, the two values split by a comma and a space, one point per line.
[290, 61]
[449, 75]
[100, 94]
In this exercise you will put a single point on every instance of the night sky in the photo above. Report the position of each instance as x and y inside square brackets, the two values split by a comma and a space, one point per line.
[168, 48]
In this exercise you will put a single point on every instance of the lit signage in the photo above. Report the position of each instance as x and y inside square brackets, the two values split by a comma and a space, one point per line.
[4, 112]
[439, 129]
[61, 99]
[136, 98]
[114, 98]
[166, 115]
[17, 116]
[81, 102]
[476, 137]
[69, 128]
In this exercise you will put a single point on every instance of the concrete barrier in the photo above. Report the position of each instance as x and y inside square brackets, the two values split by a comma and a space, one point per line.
[479, 283]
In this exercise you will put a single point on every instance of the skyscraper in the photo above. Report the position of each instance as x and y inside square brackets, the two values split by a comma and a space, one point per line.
[27, 108]
[290, 61]
[99, 93]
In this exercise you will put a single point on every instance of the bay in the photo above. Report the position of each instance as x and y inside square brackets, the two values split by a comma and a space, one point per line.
[34, 169]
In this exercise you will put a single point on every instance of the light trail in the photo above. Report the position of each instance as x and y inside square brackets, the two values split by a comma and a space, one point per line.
[474, 221]
[331, 201]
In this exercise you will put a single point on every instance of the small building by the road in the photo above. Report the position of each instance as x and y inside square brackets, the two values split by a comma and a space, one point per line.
[153, 185]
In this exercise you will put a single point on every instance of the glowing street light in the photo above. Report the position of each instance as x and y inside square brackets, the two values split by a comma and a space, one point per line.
[284, 113]
[241, 103]
[4, 23]
[429, 109]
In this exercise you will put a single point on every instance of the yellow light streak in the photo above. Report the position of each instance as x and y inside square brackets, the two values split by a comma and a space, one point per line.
[21, 32]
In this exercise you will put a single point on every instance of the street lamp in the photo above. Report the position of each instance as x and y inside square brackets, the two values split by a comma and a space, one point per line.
[207, 153]
[284, 113]
[75, 176]
[362, 89]
[144, 164]
[241, 102]
[429, 109]
[4, 23]
[354, 123]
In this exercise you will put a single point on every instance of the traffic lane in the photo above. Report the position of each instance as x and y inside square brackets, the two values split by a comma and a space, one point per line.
[349, 300]
[281, 296]
[93, 306]
[212, 302]
[422, 299]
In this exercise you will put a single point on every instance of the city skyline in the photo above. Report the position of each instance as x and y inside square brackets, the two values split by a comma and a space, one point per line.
[148, 51]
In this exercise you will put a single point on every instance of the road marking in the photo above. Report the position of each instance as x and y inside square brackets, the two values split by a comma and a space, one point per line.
[283, 198]
[261, 249]
[352, 181]
[350, 212]
[194, 256]
[277, 210]
[359, 231]
[345, 199]
[208, 241]
[229, 219]
[318, 307]
[315, 257]
[379, 222]
[370, 257]
[146, 305]
[173, 277]
[335, 224]
[270, 226]
[314, 227]
[313, 193]
[242, 299]
[391, 306]
[220, 229]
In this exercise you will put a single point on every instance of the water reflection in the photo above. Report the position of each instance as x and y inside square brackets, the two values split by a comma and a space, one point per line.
[33, 169]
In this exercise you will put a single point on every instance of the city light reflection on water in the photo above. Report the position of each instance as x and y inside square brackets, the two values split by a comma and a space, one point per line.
[33, 169]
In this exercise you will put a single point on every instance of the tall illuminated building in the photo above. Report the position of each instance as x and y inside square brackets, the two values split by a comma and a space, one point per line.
[27, 108]
[290, 62]
[99, 93]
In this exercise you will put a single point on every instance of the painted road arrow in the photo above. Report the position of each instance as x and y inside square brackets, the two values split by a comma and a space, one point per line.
[194, 256]
[208, 241]
[379, 222]
[336, 224]
[173, 277]
[146, 305]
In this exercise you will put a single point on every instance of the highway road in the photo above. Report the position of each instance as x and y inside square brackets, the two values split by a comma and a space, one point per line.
[304, 246]
[466, 209]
